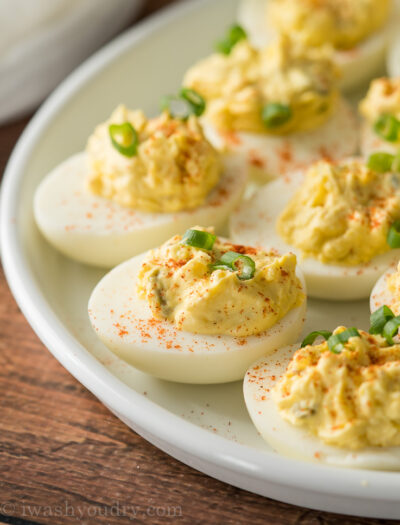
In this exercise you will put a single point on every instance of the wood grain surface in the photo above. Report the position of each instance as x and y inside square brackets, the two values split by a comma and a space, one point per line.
[65, 459]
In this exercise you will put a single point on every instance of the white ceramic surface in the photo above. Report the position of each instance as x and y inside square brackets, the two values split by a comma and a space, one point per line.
[206, 427]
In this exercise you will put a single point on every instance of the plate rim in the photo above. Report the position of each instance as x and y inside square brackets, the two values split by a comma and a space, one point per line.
[234, 463]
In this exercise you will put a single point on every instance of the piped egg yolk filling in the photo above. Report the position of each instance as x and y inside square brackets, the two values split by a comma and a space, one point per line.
[382, 99]
[342, 213]
[350, 399]
[341, 23]
[240, 87]
[174, 167]
[181, 286]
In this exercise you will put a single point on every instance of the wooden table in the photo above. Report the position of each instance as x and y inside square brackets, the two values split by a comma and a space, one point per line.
[64, 458]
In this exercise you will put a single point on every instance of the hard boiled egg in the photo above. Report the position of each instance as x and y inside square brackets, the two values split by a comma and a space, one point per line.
[269, 156]
[254, 223]
[381, 294]
[357, 65]
[125, 324]
[379, 109]
[294, 442]
[100, 232]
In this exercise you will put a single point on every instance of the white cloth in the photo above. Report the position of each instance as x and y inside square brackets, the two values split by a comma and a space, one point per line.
[41, 41]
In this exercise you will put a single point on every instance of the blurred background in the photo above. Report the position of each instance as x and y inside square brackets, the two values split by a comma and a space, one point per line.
[42, 41]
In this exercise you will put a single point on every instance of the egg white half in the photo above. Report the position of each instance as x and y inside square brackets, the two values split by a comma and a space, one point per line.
[381, 295]
[370, 142]
[125, 324]
[254, 223]
[357, 65]
[97, 231]
[293, 441]
[268, 156]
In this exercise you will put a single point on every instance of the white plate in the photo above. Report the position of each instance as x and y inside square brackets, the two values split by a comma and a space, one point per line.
[206, 427]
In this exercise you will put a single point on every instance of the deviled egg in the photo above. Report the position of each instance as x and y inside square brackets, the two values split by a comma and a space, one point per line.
[359, 31]
[386, 291]
[199, 309]
[336, 402]
[380, 108]
[278, 109]
[139, 181]
[335, 218]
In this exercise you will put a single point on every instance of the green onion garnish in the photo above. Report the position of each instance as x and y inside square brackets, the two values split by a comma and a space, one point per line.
[312, 336]
[196, 101]
[384, 322]
[199, 239]
[336, 342]
[234, 34]
[381, 162]
[124, 138]
[393, 236]
[390, 329]
[244, 265]
[274, 114]
[379, 318]
[187, 103]
[387, 127]
[177, 107]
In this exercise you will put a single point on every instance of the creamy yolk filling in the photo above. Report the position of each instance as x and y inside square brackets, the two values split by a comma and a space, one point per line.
[382, 99]
[173, 169]
[180, 285]
[350, 399]
[238, 86]
[341, 23]
[342, 213]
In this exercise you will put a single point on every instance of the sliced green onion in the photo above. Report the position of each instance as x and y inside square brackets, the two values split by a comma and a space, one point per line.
[187, 103]
[244, 265]
[275, 114]
[388, 127]
[381, 162]
[124, 138]
[379, 318]
[234, 34]
[336, 342]
[393, 236]
[199, 239]
[312, 336]
[196, 101]
[391, 328]
[177, 107]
